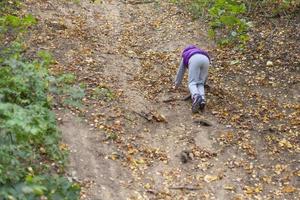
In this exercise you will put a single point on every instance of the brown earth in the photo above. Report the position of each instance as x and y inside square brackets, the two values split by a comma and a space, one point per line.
[130, 143]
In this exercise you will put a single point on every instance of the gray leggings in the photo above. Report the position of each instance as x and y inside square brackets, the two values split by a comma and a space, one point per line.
[198, 71]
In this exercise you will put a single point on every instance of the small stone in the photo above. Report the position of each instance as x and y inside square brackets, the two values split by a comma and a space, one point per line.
[269, 63]
[184, 156]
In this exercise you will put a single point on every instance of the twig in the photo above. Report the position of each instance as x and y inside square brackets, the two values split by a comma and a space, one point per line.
[144, 115]
[151, 192]
[128, 118]
[171, 99]
[188, 97]
[184, 188]
[139, 2]
[202, 122]
[177, 99]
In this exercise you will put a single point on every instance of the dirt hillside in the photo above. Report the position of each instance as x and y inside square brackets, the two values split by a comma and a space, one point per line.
[134, 137]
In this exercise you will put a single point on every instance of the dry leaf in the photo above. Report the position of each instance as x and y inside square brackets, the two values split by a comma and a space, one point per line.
[288, 189]
[159, 117]
[279, 168]
[285, 143]
[228, 187]
[147, 186]
[210, 178]
[252, 190]
[269, 63]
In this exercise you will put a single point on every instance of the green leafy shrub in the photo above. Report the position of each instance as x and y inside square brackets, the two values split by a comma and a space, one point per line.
[34, 125]
[11, 21]
[31, 161]
[70, 93]
[225, 18]
[36, 187]
[66, 79]
[226, 15]
[23, 83]
[73, 95]
[29, 137]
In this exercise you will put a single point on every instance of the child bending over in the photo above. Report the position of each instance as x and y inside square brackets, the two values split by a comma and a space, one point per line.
[197, 61]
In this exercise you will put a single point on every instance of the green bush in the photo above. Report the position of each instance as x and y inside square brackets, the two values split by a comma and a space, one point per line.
[227, 18]
[23, 83]
[73, 95]
[29, 139]
[35, 187]
[224, 16]
[31, 161]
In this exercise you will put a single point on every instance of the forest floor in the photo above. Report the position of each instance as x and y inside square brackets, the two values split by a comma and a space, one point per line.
[135, 138]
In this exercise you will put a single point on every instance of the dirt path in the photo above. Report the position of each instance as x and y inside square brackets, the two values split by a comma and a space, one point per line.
[130, 146]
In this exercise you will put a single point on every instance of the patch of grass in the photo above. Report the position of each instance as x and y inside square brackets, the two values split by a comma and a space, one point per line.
[69, 93]
[67, 78]
[73, 96]
[103, 93]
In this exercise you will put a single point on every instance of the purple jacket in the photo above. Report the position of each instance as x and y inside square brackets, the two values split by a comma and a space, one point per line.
[191, 50]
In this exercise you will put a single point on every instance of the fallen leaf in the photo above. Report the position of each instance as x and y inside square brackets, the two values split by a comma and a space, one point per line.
[285, 143]
[228, 187]
[269, 63]
[252, 190]
[159, 117]
[210, 178]
[147, 186]
[279, 168]
[288, 189]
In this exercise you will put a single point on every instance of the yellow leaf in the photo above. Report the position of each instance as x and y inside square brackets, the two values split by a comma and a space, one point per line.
[267, 179]
[279, 168]
[228, 187]
[285, 143]
[114, 157]
[63, 147]
[159, 117]
[269, 63]
[140, 161]
[252, 190]
[147, 186]
[288, 189]
[210, 178]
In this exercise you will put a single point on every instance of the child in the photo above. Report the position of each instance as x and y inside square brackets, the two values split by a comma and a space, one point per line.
[197, 62]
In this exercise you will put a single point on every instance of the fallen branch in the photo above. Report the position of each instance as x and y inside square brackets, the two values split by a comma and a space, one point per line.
[188, 97]
[139, 2]
[151, 192]
[185, 188]
[171, 99]
[177, 99]
[152, 116]
[144, 115]
[202, 122]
